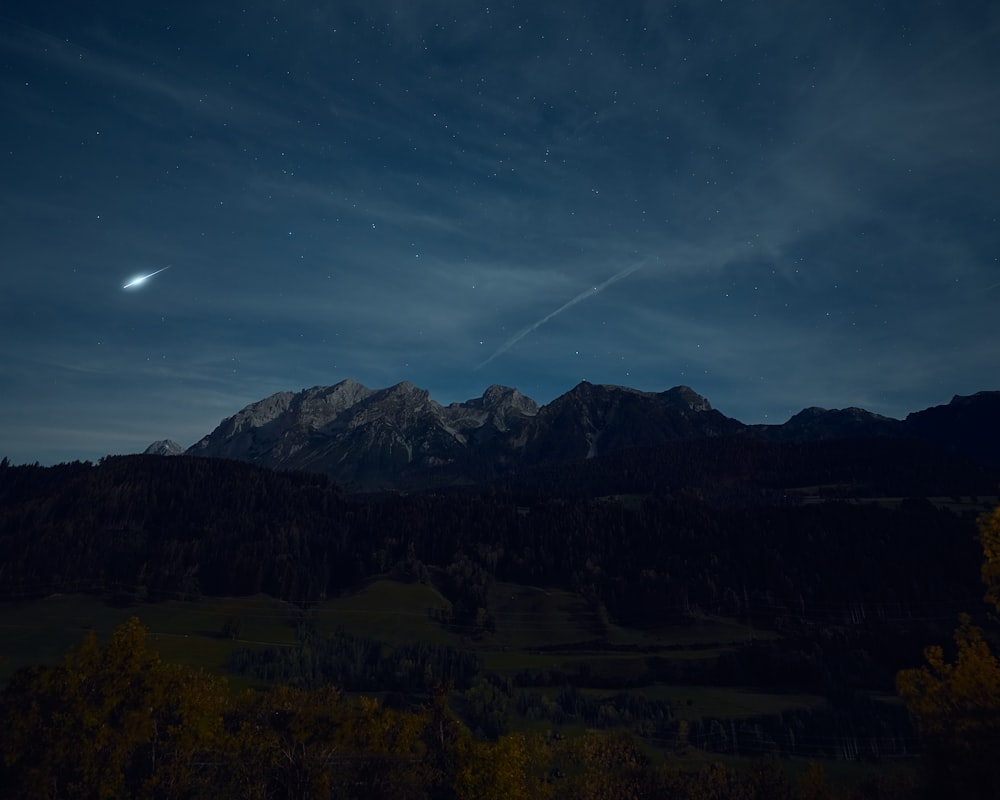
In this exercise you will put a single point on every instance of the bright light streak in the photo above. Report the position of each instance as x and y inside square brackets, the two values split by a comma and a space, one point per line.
[143, 278]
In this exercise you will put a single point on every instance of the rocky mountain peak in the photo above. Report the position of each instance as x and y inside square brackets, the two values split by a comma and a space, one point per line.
[405, 389]
[687, 398]
[497, 396]
[164, 447]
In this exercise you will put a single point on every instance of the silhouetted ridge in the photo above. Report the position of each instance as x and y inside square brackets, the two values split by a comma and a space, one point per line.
[400, 437]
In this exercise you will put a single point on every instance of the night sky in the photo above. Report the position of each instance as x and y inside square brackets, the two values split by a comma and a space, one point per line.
[779, 204]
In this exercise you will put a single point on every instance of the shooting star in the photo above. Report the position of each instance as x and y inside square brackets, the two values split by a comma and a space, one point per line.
[567, 305]
[143, 278]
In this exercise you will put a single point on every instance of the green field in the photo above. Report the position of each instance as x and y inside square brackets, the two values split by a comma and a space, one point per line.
[184, 632]
[529, 617]
[389, 610]
[694, 702]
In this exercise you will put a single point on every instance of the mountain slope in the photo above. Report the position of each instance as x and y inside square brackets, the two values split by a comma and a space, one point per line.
[371, 437]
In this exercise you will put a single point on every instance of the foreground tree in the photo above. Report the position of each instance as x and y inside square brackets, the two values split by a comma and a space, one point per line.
[956, 705]
[989, 537]
[109, 721]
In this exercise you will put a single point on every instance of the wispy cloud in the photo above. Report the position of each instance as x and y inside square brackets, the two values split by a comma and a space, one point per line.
[513, 340]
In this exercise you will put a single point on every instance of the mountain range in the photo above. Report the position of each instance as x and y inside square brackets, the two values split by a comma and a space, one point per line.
[400, 438]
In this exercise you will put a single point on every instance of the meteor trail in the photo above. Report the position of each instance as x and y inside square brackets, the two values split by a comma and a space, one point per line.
[143, 278]
[569, 304]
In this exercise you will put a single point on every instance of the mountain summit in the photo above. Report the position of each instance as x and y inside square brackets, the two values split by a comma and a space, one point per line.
[164, 447]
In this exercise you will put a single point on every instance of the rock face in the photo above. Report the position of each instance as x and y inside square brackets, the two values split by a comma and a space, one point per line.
[399, 437]
[592, 420]
[385, 437]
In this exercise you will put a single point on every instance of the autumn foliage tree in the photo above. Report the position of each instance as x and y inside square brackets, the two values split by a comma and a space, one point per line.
[989, 537]
[108, 721]
[956, 704]
[113, 721]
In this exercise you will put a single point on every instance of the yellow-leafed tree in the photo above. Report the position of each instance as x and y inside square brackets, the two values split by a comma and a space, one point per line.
[109, 721]
[989, 536]
[956, 705]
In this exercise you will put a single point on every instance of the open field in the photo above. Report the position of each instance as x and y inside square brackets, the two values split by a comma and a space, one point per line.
[187, 633]
[529, 617]
[595, 665]
[388, 610]
[694, 702]
[963, 505]
[41, 631]
[697, 631]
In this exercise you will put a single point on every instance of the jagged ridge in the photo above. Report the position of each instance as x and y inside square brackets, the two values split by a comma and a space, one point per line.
[399, 437]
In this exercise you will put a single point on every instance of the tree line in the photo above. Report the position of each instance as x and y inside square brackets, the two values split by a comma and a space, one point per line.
[147, 527]
[358, 663]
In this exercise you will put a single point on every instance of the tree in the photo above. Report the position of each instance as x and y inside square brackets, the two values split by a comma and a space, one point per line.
[108, 721]
[956, 705]
[989, 538]
[282, 741]
[187, 724]
[813, 784]
[509, 769]
[232, 628]
[600, 766]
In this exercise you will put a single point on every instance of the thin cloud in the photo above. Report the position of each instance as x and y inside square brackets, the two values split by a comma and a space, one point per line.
[513, 340]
